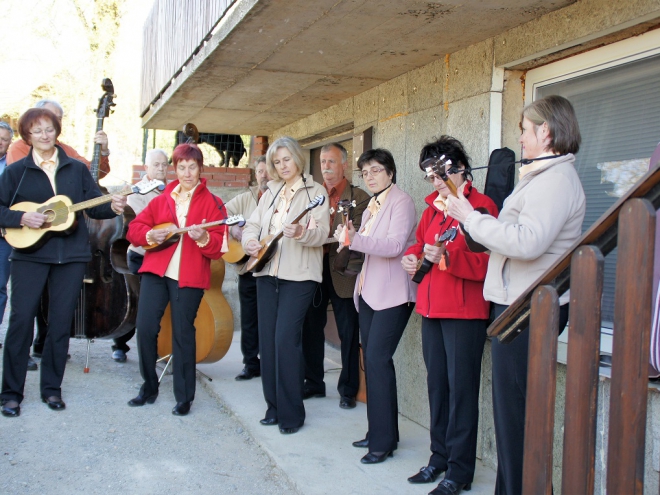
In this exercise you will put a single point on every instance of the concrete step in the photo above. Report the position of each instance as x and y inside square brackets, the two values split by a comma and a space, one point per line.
[320, 459]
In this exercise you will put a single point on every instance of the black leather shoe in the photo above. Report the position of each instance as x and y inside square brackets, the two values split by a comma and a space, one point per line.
[32, 364]
[311, 394]
[11, 409]
[449, 487]
[141, 400]
[54, 402]
[247, 374]
[376, 457]
[347, 402]
[268, 421]
[427, 474]
[361, 444]
[289, 431]
[181, 408]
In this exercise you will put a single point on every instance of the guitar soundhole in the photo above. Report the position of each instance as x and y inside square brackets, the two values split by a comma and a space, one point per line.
[50, 216]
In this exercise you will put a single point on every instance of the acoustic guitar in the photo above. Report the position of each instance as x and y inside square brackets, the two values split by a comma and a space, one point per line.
[235, 255]
[269, 243]
[61, 216]
[424, 265]
[174, 232]
[440, 166]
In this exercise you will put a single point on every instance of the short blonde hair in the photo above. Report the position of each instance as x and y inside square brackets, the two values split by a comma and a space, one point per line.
[294, 148]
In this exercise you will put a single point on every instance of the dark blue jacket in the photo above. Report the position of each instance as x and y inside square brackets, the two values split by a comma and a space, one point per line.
[25, 181]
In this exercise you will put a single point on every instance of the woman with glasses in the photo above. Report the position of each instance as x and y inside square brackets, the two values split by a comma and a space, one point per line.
[286, 284]
[540, 220]
[384, 295]
[60, 260]
[454, 319]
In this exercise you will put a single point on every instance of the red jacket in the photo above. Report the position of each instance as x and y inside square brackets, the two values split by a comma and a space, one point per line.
[458, 291]
[195, 267]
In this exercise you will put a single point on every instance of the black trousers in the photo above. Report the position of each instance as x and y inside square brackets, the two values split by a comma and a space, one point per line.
[509, 396]
[134, 261]
[28, 280]
[247, 295]
[155, 293]
[381, 332]
[282, 308]
[452, 354]
[42, 323]
[348, 326]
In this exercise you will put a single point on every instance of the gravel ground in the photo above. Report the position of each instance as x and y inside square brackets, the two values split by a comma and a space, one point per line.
[99, 445]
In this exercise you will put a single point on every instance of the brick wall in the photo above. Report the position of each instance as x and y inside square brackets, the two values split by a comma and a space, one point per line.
[215, 176]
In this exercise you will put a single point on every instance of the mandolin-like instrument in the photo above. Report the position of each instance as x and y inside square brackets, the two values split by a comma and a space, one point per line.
[269, 243]
[424, 265]
[61, 216]
[440, 166]
[174, 232]
[236, 254]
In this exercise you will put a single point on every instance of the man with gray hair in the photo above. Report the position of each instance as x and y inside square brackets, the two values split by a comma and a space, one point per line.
[155, 166]
[336, 288]
[6, 135]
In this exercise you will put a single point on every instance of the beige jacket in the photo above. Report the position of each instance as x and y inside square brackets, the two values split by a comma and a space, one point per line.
[539, 221]
[139, 202]
[298, 260]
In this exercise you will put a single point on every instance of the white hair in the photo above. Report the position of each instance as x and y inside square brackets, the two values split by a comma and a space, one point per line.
[6, 126]
[45, 101]
[152, 153]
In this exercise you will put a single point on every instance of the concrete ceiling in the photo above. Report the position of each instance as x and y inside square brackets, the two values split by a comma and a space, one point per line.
[272, 62]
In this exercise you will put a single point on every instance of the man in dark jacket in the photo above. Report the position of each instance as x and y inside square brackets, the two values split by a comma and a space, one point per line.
[336, 288]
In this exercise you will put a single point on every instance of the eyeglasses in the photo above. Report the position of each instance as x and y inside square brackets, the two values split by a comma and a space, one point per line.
[432, 178]
[372, 173]
[50, 130]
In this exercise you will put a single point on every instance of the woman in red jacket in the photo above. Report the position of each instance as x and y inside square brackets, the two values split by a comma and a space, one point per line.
[454, 316]
[175, 275]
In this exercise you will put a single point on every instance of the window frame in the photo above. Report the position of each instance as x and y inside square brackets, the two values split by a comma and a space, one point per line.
[606, 57]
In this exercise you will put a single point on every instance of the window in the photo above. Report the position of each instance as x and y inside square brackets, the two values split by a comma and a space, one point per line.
[616, 96]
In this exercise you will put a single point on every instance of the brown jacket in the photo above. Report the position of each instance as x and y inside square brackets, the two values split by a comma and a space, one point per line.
[344, 285]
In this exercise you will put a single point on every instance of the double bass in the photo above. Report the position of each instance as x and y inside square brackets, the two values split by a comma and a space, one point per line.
[106, 308]
[214, 324]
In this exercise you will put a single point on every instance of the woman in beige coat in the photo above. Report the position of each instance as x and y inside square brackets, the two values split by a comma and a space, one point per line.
[539, 221]
[286, 285]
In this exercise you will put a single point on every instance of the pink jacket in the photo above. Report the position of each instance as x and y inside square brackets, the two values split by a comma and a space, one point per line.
[386, 284]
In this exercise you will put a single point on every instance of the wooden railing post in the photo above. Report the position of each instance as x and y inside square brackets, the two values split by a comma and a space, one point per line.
[541, 386]
[582, 371]
[630, 352]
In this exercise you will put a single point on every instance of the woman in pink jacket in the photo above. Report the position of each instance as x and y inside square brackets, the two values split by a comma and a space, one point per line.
[384, 295]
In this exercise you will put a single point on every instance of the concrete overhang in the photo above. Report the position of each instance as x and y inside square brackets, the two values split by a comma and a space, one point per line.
[273, 62]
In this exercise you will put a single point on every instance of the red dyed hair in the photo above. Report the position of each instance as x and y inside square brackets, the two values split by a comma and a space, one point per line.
[31, 117]
[187, 151]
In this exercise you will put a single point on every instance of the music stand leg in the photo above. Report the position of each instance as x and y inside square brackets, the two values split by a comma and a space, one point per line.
[86, 369]
[204, 375]
[167, 365]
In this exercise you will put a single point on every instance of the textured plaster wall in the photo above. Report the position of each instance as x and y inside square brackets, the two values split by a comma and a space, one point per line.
[453, 95]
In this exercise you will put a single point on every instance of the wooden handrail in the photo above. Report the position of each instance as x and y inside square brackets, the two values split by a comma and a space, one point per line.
[603, 234]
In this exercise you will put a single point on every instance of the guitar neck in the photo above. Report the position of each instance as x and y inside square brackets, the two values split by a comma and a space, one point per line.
[91, 203]
[202, 225]
[295, 220]
[94, 167]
